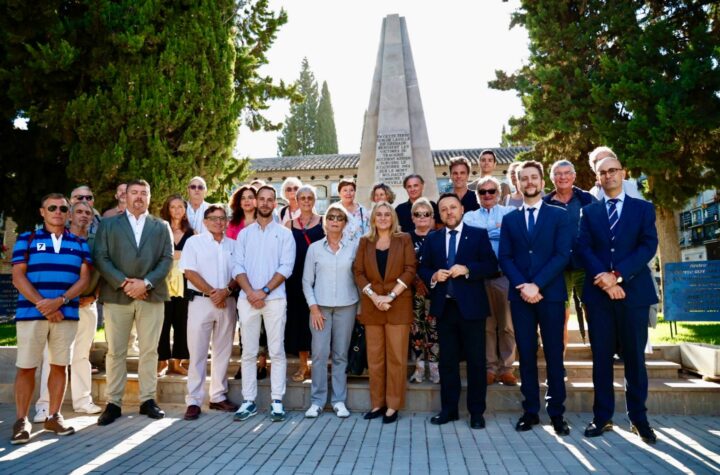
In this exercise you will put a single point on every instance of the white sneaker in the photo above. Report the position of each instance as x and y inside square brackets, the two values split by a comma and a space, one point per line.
[313, 411]
[89, 408]
[341, 410]
[41, 415]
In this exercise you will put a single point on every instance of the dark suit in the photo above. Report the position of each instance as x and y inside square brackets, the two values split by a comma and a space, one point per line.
[117, 256]
[461, 320]
[539, 258]
[634, 246]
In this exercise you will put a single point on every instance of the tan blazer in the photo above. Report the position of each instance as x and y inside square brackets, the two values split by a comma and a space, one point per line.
[401, 265]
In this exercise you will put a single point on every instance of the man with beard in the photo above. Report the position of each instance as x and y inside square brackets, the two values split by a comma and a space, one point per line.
[263, 260]
[535, 243]
[134, 253]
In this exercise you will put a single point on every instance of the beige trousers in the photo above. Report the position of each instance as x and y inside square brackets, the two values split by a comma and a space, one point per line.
[499, 331]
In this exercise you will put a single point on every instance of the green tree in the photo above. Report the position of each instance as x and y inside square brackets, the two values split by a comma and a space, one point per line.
[639, 76]
[298, 136]
[125, 89]
[326, 137]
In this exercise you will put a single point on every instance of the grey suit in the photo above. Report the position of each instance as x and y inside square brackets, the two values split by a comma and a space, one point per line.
[117, 257]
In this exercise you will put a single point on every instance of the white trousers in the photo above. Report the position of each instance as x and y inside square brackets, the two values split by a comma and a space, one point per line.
[206, 322]
[81, 369]
[274, 316]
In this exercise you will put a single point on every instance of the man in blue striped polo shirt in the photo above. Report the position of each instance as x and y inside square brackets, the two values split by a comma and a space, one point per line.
[51, 267]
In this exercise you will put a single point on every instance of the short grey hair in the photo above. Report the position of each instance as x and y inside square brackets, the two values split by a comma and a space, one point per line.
[485, 180]
[291, 180]
[593, 156]
[306, 189]
[561, 163]
[200, 179]
[81, 203]
[420, 202]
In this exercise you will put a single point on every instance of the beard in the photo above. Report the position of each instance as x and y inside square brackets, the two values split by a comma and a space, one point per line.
[264, 214]
[527, 194]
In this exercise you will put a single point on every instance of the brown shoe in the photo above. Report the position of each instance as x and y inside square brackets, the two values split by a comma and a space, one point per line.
[490, 378]
[162, 368]
[192, 413]
[177, 368]
[21, 431]
[225, 406]
[508, 379]
[301, 374]
[56, 423]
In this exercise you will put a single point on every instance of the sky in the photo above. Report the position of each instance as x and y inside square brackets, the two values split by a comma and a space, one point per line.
[457, 46]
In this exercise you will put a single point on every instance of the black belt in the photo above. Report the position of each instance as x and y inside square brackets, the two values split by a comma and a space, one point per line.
[195, 293]
[496, 275]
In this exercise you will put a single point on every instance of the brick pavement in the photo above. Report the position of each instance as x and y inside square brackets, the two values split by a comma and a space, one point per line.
[216, 444]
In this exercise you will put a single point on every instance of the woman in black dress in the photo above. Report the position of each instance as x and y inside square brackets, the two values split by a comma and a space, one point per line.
[306, 228]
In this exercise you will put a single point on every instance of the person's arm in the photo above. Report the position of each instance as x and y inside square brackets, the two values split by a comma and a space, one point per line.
[359, 266]
[165, 261]
[101, 255]
[407, 277]
[309, 275]
[590, 261]
[562, 244]
[645, 248]
[506, 254]
[487, 265]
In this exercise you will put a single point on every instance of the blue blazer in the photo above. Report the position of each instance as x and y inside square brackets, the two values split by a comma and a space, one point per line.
[475, 252]
[635, 245]
[540, 258]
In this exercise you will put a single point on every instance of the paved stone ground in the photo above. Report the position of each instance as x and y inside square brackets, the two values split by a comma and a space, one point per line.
[216, 444]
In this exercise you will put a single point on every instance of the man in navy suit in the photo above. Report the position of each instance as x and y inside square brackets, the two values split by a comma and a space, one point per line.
[617, 240]
[455, 261]
[535, 244]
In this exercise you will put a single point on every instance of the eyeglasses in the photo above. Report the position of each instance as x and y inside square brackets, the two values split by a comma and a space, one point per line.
[216, 219]
[83, 197]
[486, 192]
[610, 172]
[335, 217]
[291, 188]
[422, 214]
[306, 198]
[53, 208]
[196, 187]
[563, 174]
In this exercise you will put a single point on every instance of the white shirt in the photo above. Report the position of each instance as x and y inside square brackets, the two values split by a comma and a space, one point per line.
[197, 217]
[536, 207]
[137, 225]
[57, 242]
[618, 205]
[209, 258]
[260, 253]
[459, 229]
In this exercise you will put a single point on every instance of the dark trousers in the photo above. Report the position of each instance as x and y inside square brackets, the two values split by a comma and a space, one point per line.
[611, 320]
[176, 313]
[456, 334]
[550, 317]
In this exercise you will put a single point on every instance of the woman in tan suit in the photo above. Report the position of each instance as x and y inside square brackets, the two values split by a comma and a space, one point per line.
[384, 269]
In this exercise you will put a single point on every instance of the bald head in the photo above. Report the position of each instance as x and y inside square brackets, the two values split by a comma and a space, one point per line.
[610, 174]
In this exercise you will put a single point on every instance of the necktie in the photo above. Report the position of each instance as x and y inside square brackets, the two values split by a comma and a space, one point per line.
[531, 220]
[451, 260]
[613, 216]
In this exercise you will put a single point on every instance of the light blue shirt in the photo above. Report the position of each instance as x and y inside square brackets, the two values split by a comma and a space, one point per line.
[618, 205]
[328, 277]
[490, 220]
[260, 253]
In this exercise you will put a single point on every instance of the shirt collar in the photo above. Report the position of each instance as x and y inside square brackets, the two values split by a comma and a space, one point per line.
[143, 215]
[536, 206]
[459, 229]
[209, 237]
[620, 197]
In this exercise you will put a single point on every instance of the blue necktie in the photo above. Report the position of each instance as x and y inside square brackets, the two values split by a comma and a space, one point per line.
[613, 216]
[451, 260]
[531, 220]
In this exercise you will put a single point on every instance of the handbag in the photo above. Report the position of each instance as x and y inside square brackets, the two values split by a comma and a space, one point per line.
[357, 354]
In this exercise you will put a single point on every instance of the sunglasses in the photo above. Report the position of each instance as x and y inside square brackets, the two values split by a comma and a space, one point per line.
[83, 197]
[486, 192]
[196, 187]
[306, 198]
[53, 208]
[335, 217]
[215, 219]
[422, 214]
[291, 188]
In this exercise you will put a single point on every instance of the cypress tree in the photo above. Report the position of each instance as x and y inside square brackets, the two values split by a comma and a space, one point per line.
[298, 136]
[326, 138]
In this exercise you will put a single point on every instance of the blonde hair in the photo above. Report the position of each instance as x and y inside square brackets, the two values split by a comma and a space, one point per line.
[372, 234]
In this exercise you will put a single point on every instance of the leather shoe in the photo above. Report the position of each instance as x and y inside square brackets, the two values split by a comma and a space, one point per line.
[508, 379]
[444, 418]
[192, 413]
[109, 415]
[646, 433]
[526, 422]
[150, 409]
[477, 422]
[374, 414]
[225, 406]
[596, 429]
[390, 419]
[560, 425]
[490, 378]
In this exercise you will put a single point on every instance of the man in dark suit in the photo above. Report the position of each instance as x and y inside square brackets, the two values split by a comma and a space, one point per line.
[455, 261]
[535, 244]
[617, 240]
[133, 252]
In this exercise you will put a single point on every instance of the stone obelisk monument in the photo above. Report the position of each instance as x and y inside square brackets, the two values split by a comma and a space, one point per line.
[395, 139]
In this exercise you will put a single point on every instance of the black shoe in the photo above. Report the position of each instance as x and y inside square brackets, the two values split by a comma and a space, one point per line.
[595, 429]
[150, 409]
[109, 415]
[261, 373]
[646, 433]
[444, 418]
[391, 419]
[560, 425]
[526, 422]
[374, 414]
[477, 422]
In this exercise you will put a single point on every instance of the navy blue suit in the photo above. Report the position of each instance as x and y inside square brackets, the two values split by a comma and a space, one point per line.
[461, 320]
[634, 246]
[539, 258]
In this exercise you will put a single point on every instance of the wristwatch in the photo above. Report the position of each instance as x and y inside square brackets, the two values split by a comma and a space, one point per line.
[266, 289]
[392, 295]
[618, 277]
[148, 285]
[65, 299]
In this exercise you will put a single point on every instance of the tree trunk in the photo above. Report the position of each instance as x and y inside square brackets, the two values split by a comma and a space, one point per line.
[669, 245]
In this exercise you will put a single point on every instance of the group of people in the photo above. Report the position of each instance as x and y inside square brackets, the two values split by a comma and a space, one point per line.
[464, 278]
